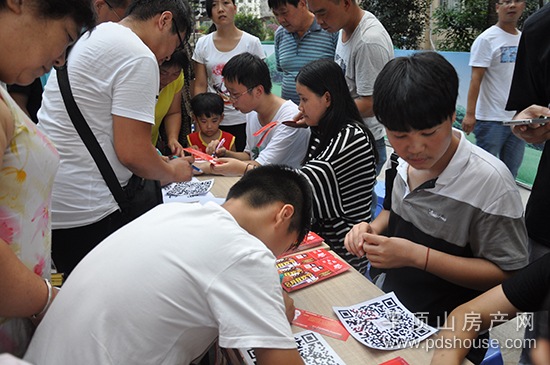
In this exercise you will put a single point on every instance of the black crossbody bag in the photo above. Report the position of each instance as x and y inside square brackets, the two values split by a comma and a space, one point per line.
[136, 198]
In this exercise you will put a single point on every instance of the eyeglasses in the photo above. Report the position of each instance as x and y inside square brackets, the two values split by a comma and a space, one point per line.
[509, 2]
[236, 96]
[182, 45]
[113, 10]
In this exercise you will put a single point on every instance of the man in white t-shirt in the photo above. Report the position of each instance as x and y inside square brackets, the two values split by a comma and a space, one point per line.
[364, 47]
[492, 58]
[114, 76]
[162, 288]
[248, 82]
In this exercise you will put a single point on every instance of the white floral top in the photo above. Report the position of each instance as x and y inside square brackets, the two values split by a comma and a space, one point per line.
[27, 173]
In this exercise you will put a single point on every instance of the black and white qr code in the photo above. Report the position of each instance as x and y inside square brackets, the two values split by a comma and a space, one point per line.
[315, 350]
[188, 188]
[250, 357]
[383, 324]
[312, 347]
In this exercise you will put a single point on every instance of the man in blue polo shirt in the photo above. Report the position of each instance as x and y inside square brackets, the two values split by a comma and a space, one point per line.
[298, 41]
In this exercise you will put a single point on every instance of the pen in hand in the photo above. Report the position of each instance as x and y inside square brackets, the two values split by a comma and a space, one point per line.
[220, 144]
[174, 157]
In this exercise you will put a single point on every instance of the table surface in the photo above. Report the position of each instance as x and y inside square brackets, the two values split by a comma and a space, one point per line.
[348, 289]
[222, 184]
[342, 290]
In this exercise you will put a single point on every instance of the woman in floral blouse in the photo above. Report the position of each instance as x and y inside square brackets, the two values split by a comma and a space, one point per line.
[35, 36]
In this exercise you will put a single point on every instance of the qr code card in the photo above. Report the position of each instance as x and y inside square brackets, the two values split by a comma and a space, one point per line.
[189, 189]
[383, 323]
[315, 350]
[312, 347]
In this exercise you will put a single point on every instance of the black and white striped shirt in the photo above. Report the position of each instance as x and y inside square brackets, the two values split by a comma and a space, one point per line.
[342, 178]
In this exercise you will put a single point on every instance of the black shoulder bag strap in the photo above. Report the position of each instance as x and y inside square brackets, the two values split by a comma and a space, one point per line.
[89, 139]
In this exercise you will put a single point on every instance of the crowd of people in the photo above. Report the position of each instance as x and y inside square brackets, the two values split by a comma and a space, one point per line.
[163, 287]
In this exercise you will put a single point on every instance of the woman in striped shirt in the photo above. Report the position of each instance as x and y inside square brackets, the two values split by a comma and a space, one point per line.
[340, 162]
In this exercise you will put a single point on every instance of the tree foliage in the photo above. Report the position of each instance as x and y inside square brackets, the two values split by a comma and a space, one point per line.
[457, 27]
[530, 8]
[405, 20]
[250, 24]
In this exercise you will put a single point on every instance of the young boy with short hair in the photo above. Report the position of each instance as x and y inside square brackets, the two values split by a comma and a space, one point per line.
[248, 81]
[452, 225]
[207, 111]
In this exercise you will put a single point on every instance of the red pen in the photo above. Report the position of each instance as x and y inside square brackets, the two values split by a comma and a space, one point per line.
[222, 141]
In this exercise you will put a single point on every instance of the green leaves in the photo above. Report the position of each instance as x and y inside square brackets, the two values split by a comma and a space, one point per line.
[405, 20]
[250, 24]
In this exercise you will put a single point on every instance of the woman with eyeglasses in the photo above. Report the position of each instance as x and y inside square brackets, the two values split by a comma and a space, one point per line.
[29, 97]
[213, 51]
[35, 36]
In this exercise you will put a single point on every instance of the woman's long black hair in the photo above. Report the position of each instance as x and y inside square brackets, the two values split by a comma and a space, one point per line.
[322, 76]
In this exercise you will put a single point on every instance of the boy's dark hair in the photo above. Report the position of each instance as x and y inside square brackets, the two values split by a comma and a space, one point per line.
[118, 3]
[277, 183]
[207, 104]
[249, 70]
[415, 93]
[274, 4]
[180, 9]
[178, 58]
[322, 76]
[81, 11]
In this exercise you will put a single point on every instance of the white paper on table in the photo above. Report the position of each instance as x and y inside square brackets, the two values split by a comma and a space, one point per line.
[383, 323]
[194, 191]
[312, 348]
[315, 350]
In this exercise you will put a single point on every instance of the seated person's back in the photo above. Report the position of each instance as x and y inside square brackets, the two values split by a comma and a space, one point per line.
[163, 287]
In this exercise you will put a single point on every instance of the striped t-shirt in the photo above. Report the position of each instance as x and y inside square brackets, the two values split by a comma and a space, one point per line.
[292, 53]
[342, 177]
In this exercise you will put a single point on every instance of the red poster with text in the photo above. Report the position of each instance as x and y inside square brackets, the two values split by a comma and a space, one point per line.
[307, 268]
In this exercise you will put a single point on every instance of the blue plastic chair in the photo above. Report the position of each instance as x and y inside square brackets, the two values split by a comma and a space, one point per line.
[493, 355]
[380, 190]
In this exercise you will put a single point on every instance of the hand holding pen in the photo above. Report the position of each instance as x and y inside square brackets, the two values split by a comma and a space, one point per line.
[216, 150]
[196, 170]
[220, 145]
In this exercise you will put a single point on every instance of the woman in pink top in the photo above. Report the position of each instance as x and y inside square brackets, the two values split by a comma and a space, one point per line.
[212, 53]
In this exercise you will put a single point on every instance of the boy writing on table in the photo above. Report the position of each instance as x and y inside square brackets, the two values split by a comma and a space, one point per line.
[452, 225]
[268, 141]
[207, 111]
[160, 290]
